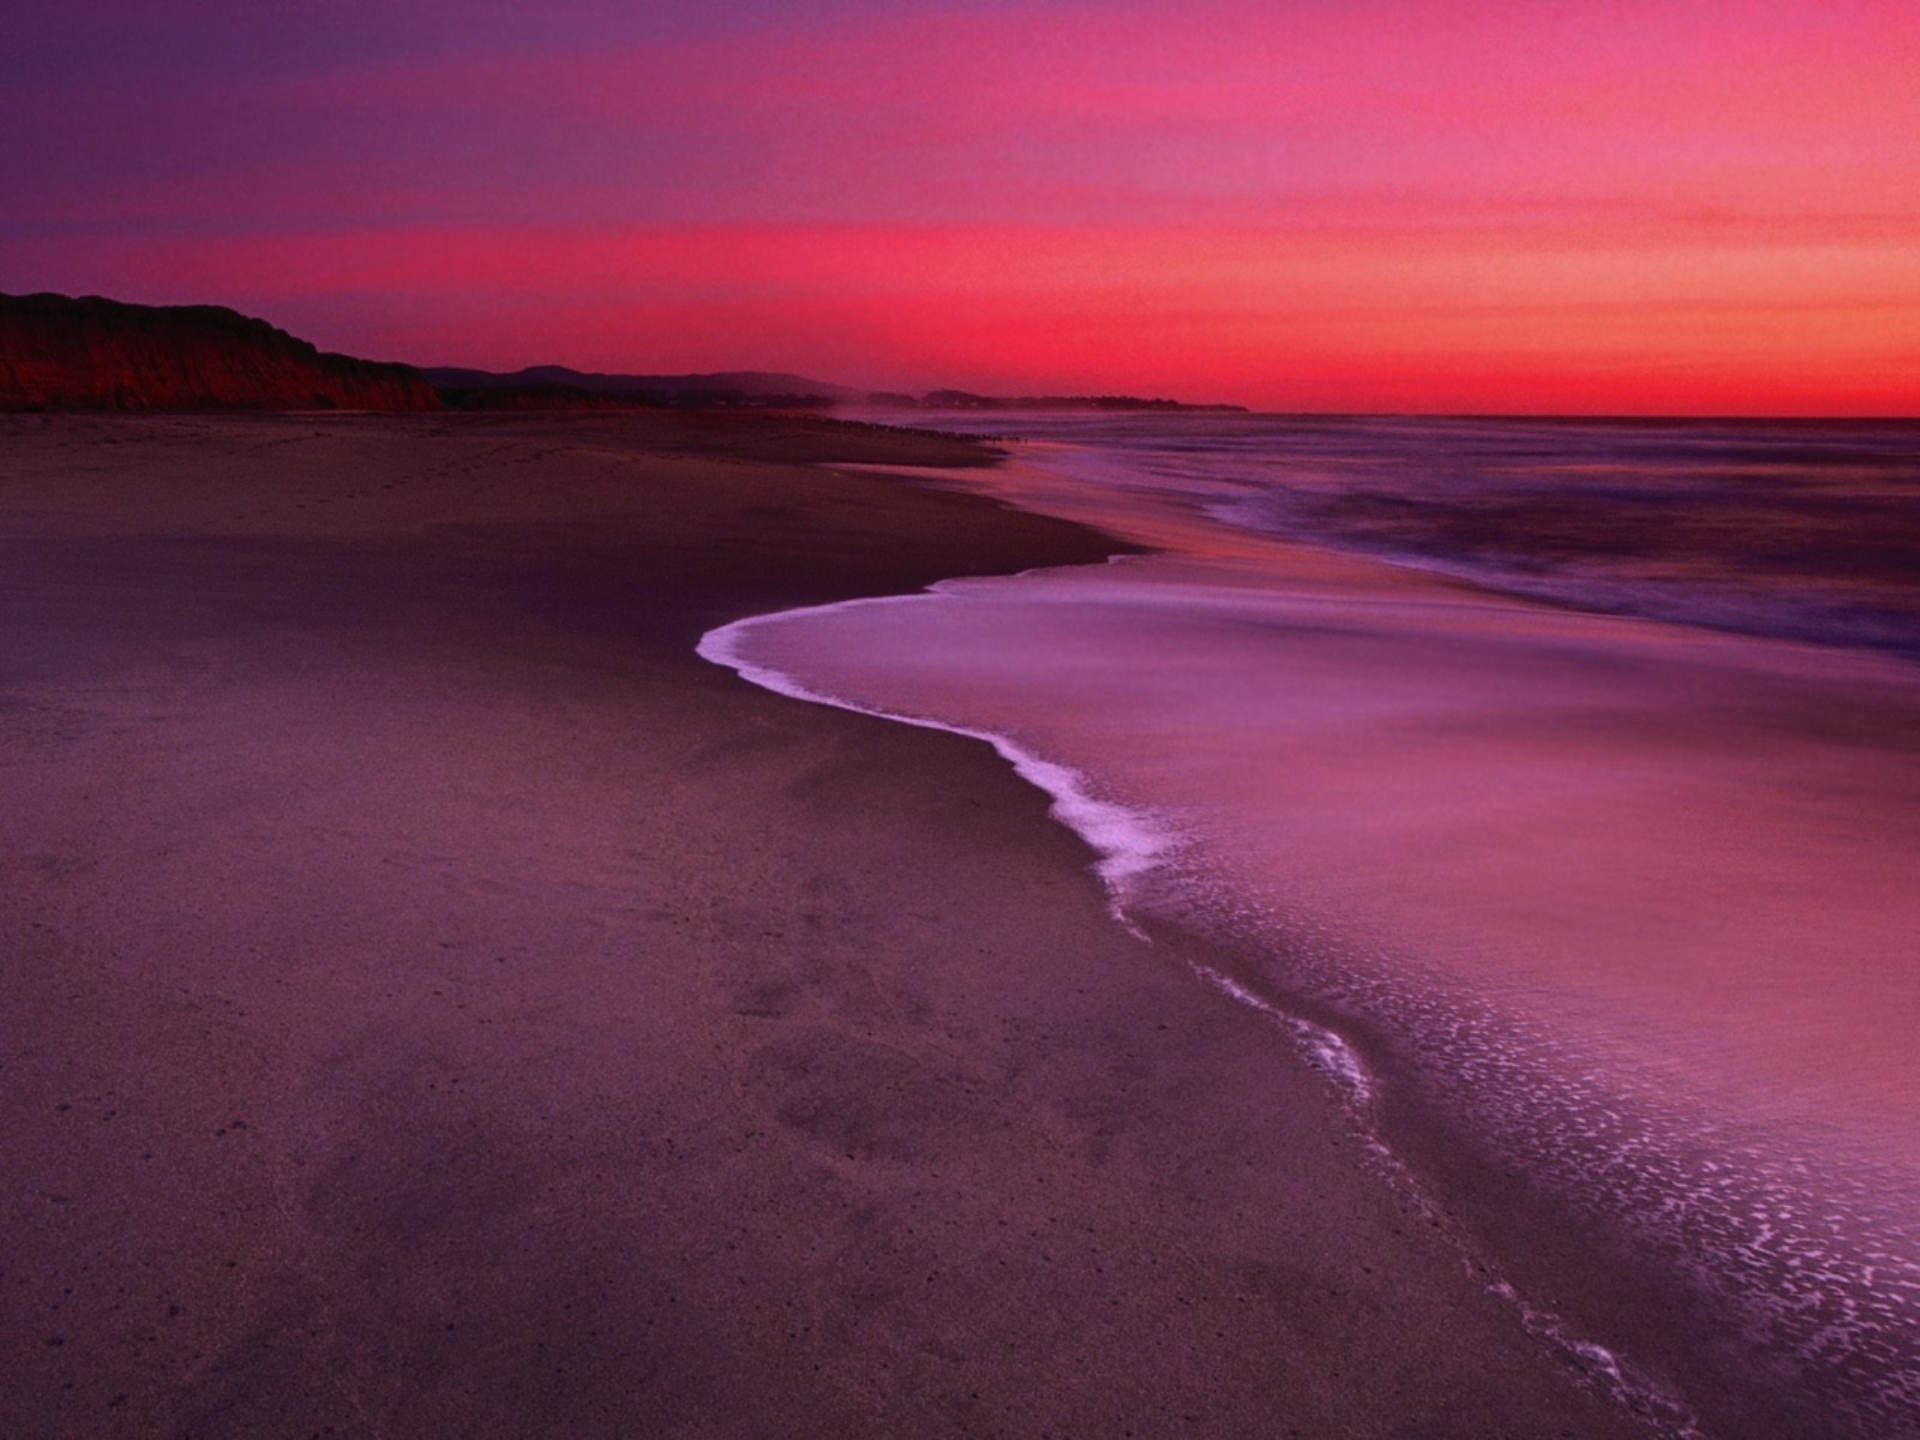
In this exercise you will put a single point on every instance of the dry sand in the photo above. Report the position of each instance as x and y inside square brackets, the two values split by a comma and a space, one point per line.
[435, 1003]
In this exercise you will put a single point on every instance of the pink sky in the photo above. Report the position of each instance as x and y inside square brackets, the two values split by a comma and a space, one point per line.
[1365, 205]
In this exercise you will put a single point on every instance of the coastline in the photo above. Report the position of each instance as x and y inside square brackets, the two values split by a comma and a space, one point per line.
[446, 1004]
[1018, 659]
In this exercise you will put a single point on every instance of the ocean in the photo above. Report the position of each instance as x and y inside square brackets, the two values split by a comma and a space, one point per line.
[1555, 787]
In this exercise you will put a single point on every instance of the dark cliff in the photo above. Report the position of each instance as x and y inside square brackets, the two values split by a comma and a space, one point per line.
[58, 353]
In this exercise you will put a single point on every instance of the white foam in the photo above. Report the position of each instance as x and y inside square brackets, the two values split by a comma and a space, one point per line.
[1325, 1051]
[1664, 1143]
[1666, 1415]
[1133, 842]
[1130, 842]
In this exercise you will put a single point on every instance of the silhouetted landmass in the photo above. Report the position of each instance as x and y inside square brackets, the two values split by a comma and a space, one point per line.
[539, 397]
[542, 387]
[966, 400]
[59, 353]
[547, 387]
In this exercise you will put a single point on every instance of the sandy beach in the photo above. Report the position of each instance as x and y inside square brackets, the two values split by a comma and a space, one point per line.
[439, 1004]
[1614, 915]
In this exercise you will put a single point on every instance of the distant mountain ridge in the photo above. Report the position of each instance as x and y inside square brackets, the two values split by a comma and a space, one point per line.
[90, 353]
[541, 386]
[966, 400]
[61, 353]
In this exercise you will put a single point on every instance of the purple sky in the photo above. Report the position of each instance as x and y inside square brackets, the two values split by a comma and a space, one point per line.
[1563, 204]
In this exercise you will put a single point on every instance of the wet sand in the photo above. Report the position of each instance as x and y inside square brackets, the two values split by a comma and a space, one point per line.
[437, 1003]
[1623, 906]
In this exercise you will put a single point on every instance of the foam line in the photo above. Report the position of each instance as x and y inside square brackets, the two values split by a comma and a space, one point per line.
[1132, 843]
[1129, 842]
[1325, 1051]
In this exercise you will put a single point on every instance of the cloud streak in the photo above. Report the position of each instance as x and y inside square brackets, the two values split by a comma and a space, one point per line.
[1298, 204]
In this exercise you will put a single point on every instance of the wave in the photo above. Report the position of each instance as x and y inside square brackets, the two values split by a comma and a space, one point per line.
[1620, 906]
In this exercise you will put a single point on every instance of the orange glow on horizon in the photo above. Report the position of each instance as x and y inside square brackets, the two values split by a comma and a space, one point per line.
[1596, 206]
[1672, 321]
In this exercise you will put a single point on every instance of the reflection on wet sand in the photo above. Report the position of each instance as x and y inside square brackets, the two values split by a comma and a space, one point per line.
[1630, 904]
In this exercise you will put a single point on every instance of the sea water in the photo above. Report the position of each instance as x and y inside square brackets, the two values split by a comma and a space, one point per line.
[1558, 785]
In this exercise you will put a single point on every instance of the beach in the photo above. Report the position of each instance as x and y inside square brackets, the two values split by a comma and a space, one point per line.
[439, 1003]
[1603, 921]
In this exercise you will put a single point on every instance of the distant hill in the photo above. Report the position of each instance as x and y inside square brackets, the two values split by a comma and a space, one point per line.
[539, 397]
[555, 386]
[966, 400]
[548, 386]
[58, 353]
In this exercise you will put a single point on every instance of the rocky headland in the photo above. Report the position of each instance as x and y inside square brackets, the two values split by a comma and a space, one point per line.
[59, 353]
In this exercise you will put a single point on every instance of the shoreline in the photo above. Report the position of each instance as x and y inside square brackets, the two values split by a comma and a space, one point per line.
[1127, 842]
[1391, 1121]
[1634, 1284]
[446, 1004]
